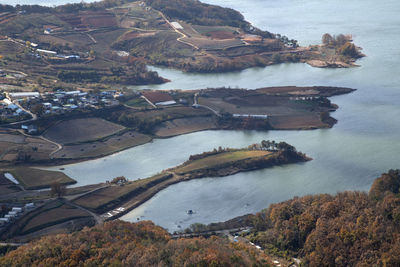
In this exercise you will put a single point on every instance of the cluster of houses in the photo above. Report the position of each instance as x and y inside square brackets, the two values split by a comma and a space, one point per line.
[304, 98]
[38, 52]
[63, 101]
[15, 213]
[9, 110]
[16, 105]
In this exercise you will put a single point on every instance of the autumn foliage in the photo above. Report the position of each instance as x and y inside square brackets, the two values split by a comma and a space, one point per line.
[348, 229]
[125, 244]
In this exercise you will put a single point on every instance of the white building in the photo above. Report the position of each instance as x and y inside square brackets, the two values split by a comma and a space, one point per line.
[21, 95]
[177, 25]
[17, 209]
[250, 116]
[46, 51]
[166, 103]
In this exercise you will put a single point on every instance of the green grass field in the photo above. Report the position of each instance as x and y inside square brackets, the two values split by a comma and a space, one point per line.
[222, 158]
[31, 178]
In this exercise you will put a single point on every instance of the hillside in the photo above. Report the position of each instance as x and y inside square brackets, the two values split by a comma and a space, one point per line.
[125, 244]
[347, 229]
[112, 42]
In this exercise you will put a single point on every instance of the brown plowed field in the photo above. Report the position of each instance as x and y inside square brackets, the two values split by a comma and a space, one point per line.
[81, 130]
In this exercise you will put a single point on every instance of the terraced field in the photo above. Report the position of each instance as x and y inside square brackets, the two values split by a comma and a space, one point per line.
[210, 44]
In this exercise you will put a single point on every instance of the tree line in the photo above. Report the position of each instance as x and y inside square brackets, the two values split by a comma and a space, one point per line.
[348, 229]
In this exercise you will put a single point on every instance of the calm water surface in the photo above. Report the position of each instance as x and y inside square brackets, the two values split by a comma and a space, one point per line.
[349, 156]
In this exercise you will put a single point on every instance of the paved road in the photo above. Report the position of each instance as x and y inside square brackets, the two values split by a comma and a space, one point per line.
[98, 219]
[202, 106]
[179, 39]
[225, 232]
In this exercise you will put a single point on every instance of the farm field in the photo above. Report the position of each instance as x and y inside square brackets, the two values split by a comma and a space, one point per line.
[16, 147]
[55, 216]
[78, 39]
[105, 147]
[172, 113]
[220, 104]
[206, 29]
[81, 130]
[219, 159]
[211, 44]
[297, 121]
[52, 216]
[185, 125]
[31, 178]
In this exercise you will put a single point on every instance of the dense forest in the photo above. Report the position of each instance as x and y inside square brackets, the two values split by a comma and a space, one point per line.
[125, 244]
[348, 229]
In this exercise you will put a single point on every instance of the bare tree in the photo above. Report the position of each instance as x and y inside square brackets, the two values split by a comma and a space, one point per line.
[327, 39]
[58, 189]
[341, 39]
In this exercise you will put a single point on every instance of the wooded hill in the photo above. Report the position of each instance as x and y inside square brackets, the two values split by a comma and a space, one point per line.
[348, 229]
[125, 244]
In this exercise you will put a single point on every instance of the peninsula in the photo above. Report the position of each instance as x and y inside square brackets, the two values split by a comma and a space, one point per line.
[93, 204]
[108, 44]
[121, 120]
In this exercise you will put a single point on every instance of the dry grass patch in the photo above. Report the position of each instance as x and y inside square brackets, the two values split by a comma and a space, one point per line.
[219, 159]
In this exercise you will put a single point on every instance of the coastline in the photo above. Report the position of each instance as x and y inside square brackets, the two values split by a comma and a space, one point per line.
[62, 162]
[147, 188]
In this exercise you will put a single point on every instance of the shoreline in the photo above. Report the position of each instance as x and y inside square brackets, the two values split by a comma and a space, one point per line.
[227, 123]
[59, 162]
[130, 195]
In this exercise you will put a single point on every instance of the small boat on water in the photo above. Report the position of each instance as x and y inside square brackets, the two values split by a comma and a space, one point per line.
[190, 212]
